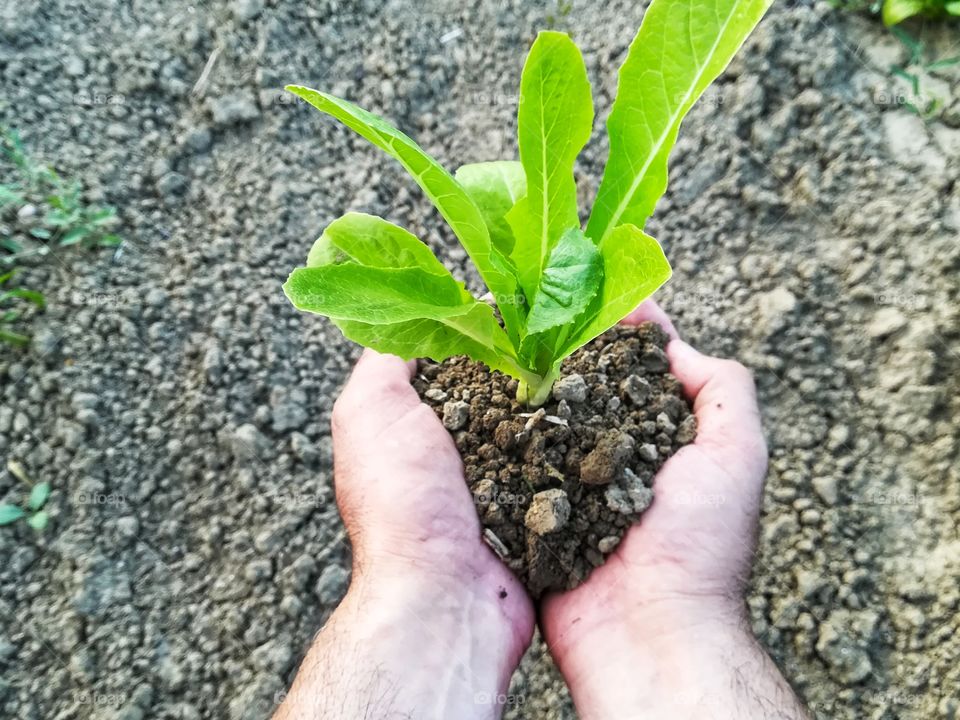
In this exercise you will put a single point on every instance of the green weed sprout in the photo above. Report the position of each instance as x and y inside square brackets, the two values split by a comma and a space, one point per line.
[32, 510]
[555, 284]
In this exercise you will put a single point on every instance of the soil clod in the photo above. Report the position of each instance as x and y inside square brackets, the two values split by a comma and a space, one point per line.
[556, 488]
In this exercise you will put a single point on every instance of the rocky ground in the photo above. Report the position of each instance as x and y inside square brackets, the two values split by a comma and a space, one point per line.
[180, 408]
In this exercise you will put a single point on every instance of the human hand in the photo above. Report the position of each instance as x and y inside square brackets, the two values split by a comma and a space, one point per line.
[657, 629]
[433, 624]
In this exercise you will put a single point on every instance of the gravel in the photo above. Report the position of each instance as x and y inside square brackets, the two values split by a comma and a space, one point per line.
[180, 408]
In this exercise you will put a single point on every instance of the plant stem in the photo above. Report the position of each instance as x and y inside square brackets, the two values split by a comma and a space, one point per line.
[536, 393]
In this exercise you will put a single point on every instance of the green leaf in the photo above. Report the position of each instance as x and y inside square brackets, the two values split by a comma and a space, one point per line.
[495, 187]
[896, 11]
[100, 215]
[351, 291]
[10, 513]
[681, 48]
[41, 233]
[10, 245]
[38, 521]
[475, 333]
[109, 240]
[634, 266]
[444, 191]
[953, 7]
[374, 242]
[30, 295]
[410, 312]
[553, 124]
[38, 495]
[569, 282]
[12, 338]
[75, 236]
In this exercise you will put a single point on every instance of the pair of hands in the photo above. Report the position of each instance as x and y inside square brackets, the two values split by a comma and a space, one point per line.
[433, 624]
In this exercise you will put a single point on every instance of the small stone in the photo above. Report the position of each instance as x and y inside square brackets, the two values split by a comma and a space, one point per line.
[505, 436]
[687, 430]
[246, 10]
[435, 394]
[156, 297]
[826, 488]
[128, 527]
[172, 184]
[258, 570]
[572, 388]
[455, 414]
[655, 359]
[886, 322]
[548, 512]
[74, 66]
[606, 461]
[199, 140]
[608, 544]
[636, 388]
[648, 452]
[233, 108]
[841, 643]
[775, 308]
[665, 424]
[247, 443]
[331, 584]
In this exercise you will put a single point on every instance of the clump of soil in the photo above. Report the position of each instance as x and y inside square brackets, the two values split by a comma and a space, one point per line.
[557, 488]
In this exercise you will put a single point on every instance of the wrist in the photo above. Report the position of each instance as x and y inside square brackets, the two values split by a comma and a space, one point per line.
[435, 646]
[668, 658]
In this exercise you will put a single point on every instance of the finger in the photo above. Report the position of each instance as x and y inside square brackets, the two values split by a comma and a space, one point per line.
[377, 394]
[649, 310]
[725, 403]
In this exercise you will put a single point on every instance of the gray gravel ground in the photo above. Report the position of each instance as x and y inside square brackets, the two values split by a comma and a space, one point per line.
[180, 408]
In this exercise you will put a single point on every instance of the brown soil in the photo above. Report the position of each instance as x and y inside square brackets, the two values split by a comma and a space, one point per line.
[557, 488]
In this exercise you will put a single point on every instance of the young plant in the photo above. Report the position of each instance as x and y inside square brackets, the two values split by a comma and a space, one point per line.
[53, 206]
[32, 510]
[12, 300]
[556, 285]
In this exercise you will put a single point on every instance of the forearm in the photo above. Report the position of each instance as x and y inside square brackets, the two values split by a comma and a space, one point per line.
[677, 665]
[403, 651]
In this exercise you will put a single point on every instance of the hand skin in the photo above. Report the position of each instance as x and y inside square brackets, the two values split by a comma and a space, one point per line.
[660, 630]
[433, 625]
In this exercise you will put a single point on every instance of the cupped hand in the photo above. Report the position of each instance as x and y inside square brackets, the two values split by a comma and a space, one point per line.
[679, 573]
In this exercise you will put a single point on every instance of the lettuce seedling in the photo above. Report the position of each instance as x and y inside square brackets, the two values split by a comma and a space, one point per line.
[556, 286]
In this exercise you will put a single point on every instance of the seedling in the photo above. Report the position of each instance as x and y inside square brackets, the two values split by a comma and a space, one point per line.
[52, 206]
[32, 509]
[556, 286]
[12, 301]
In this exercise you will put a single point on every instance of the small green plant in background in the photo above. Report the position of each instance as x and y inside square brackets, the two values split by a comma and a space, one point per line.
[896, 11]
[13, 301]
[32, 510]
[555, 284]
[49, 208]
[38, 210]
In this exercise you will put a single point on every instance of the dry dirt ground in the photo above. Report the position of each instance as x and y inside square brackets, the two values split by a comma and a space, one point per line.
[180, 408]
